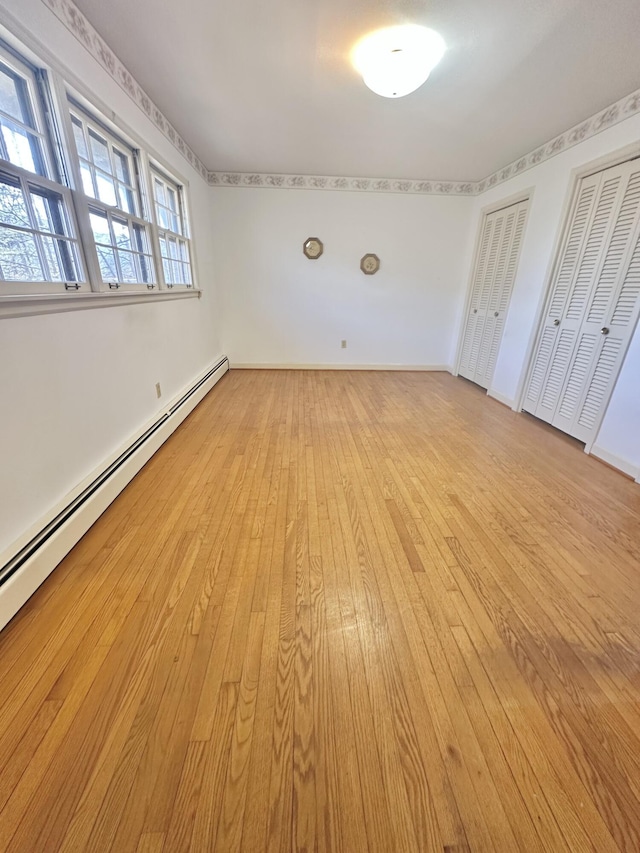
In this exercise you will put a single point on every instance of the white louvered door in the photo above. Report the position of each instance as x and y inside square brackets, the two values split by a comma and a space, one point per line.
[594, 304]
[494, 275]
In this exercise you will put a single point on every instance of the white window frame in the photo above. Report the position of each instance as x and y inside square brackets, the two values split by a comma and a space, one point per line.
[50, 85]
[48, 184]
[182, 236]
[88, 204]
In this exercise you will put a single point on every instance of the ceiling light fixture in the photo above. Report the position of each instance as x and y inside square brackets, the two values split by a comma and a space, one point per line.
[396, 61]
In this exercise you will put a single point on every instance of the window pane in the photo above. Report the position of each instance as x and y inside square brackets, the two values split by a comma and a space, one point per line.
[100, 227]
[122, 167]
[108, 267]
[13, 210]
[49, 212]
[168, 271]
[126, 199]
[19, 259]
[106, 189]
[121, 234]
[140, 238]
[81, 143]
[158, 188]
[22, 148]
[10, 102]
[100, 152]
[184, 253]
[163, 215]
[128, 267]
[51, 248]
[171, 196]
[87, 180]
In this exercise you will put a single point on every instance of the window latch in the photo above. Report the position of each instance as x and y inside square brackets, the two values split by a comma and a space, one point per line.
[150, 286]
[70, 285]
[113, 285]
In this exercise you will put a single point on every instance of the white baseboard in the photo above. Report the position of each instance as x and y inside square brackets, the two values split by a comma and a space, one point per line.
[296, 366]
[26, 580]
[616, 462]
[501, 398]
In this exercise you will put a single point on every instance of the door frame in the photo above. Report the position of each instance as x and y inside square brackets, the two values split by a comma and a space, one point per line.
[487, 210]
[592, 167]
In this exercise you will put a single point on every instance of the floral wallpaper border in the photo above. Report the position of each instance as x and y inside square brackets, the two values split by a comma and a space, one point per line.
[77, 23]
[79, 26]
[606, 118]
[324, 182]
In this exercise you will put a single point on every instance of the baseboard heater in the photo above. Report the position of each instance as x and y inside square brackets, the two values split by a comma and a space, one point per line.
[39, 541]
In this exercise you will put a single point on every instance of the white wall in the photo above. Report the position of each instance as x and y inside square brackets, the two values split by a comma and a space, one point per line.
[281, 308]
[75, 386]
[619, 437]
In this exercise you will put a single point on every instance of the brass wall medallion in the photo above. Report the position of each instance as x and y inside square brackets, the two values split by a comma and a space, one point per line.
[313, 248]
[370, 264]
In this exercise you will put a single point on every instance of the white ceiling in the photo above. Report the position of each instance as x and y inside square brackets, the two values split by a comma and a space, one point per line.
[269, 87]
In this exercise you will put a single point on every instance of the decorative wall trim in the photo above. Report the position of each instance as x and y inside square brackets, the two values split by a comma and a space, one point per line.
[606, 118]
[79, 26]
[326, 182]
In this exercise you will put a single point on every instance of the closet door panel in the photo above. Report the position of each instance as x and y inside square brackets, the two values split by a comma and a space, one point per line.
[491, 290]
[581, 349]
[501, 294]
[580, 223]
[593, 221]
[467, 366]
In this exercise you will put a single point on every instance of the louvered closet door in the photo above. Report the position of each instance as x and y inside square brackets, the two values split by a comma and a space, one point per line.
[494, 275]
[594, 304]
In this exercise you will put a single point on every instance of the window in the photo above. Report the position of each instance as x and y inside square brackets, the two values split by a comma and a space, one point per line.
[81, 208]
[173, 233]
[108, 172]
[39, 250]
[22, 141]
[35, 234]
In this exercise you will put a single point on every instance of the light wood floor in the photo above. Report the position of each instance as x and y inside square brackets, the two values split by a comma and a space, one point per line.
[337, 611]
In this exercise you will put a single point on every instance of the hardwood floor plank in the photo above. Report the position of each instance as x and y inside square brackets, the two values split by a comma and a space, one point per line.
[337, 611]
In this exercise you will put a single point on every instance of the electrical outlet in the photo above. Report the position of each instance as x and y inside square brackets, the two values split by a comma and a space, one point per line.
[158, 390]
[343, 344]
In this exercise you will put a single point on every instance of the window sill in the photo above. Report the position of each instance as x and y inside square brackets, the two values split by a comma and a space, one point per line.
[55, 303]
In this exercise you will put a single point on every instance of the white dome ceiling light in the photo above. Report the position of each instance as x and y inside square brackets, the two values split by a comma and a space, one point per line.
[397, 60]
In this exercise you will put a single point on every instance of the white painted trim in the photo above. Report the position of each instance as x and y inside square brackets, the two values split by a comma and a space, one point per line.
[55, 303]
[616, 462]
[295, 366]
[501, 398]
[21, 586]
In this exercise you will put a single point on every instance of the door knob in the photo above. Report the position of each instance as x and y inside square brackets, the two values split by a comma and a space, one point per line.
[475, 310]
[556, 322]
[496, 313]
[604, 330]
